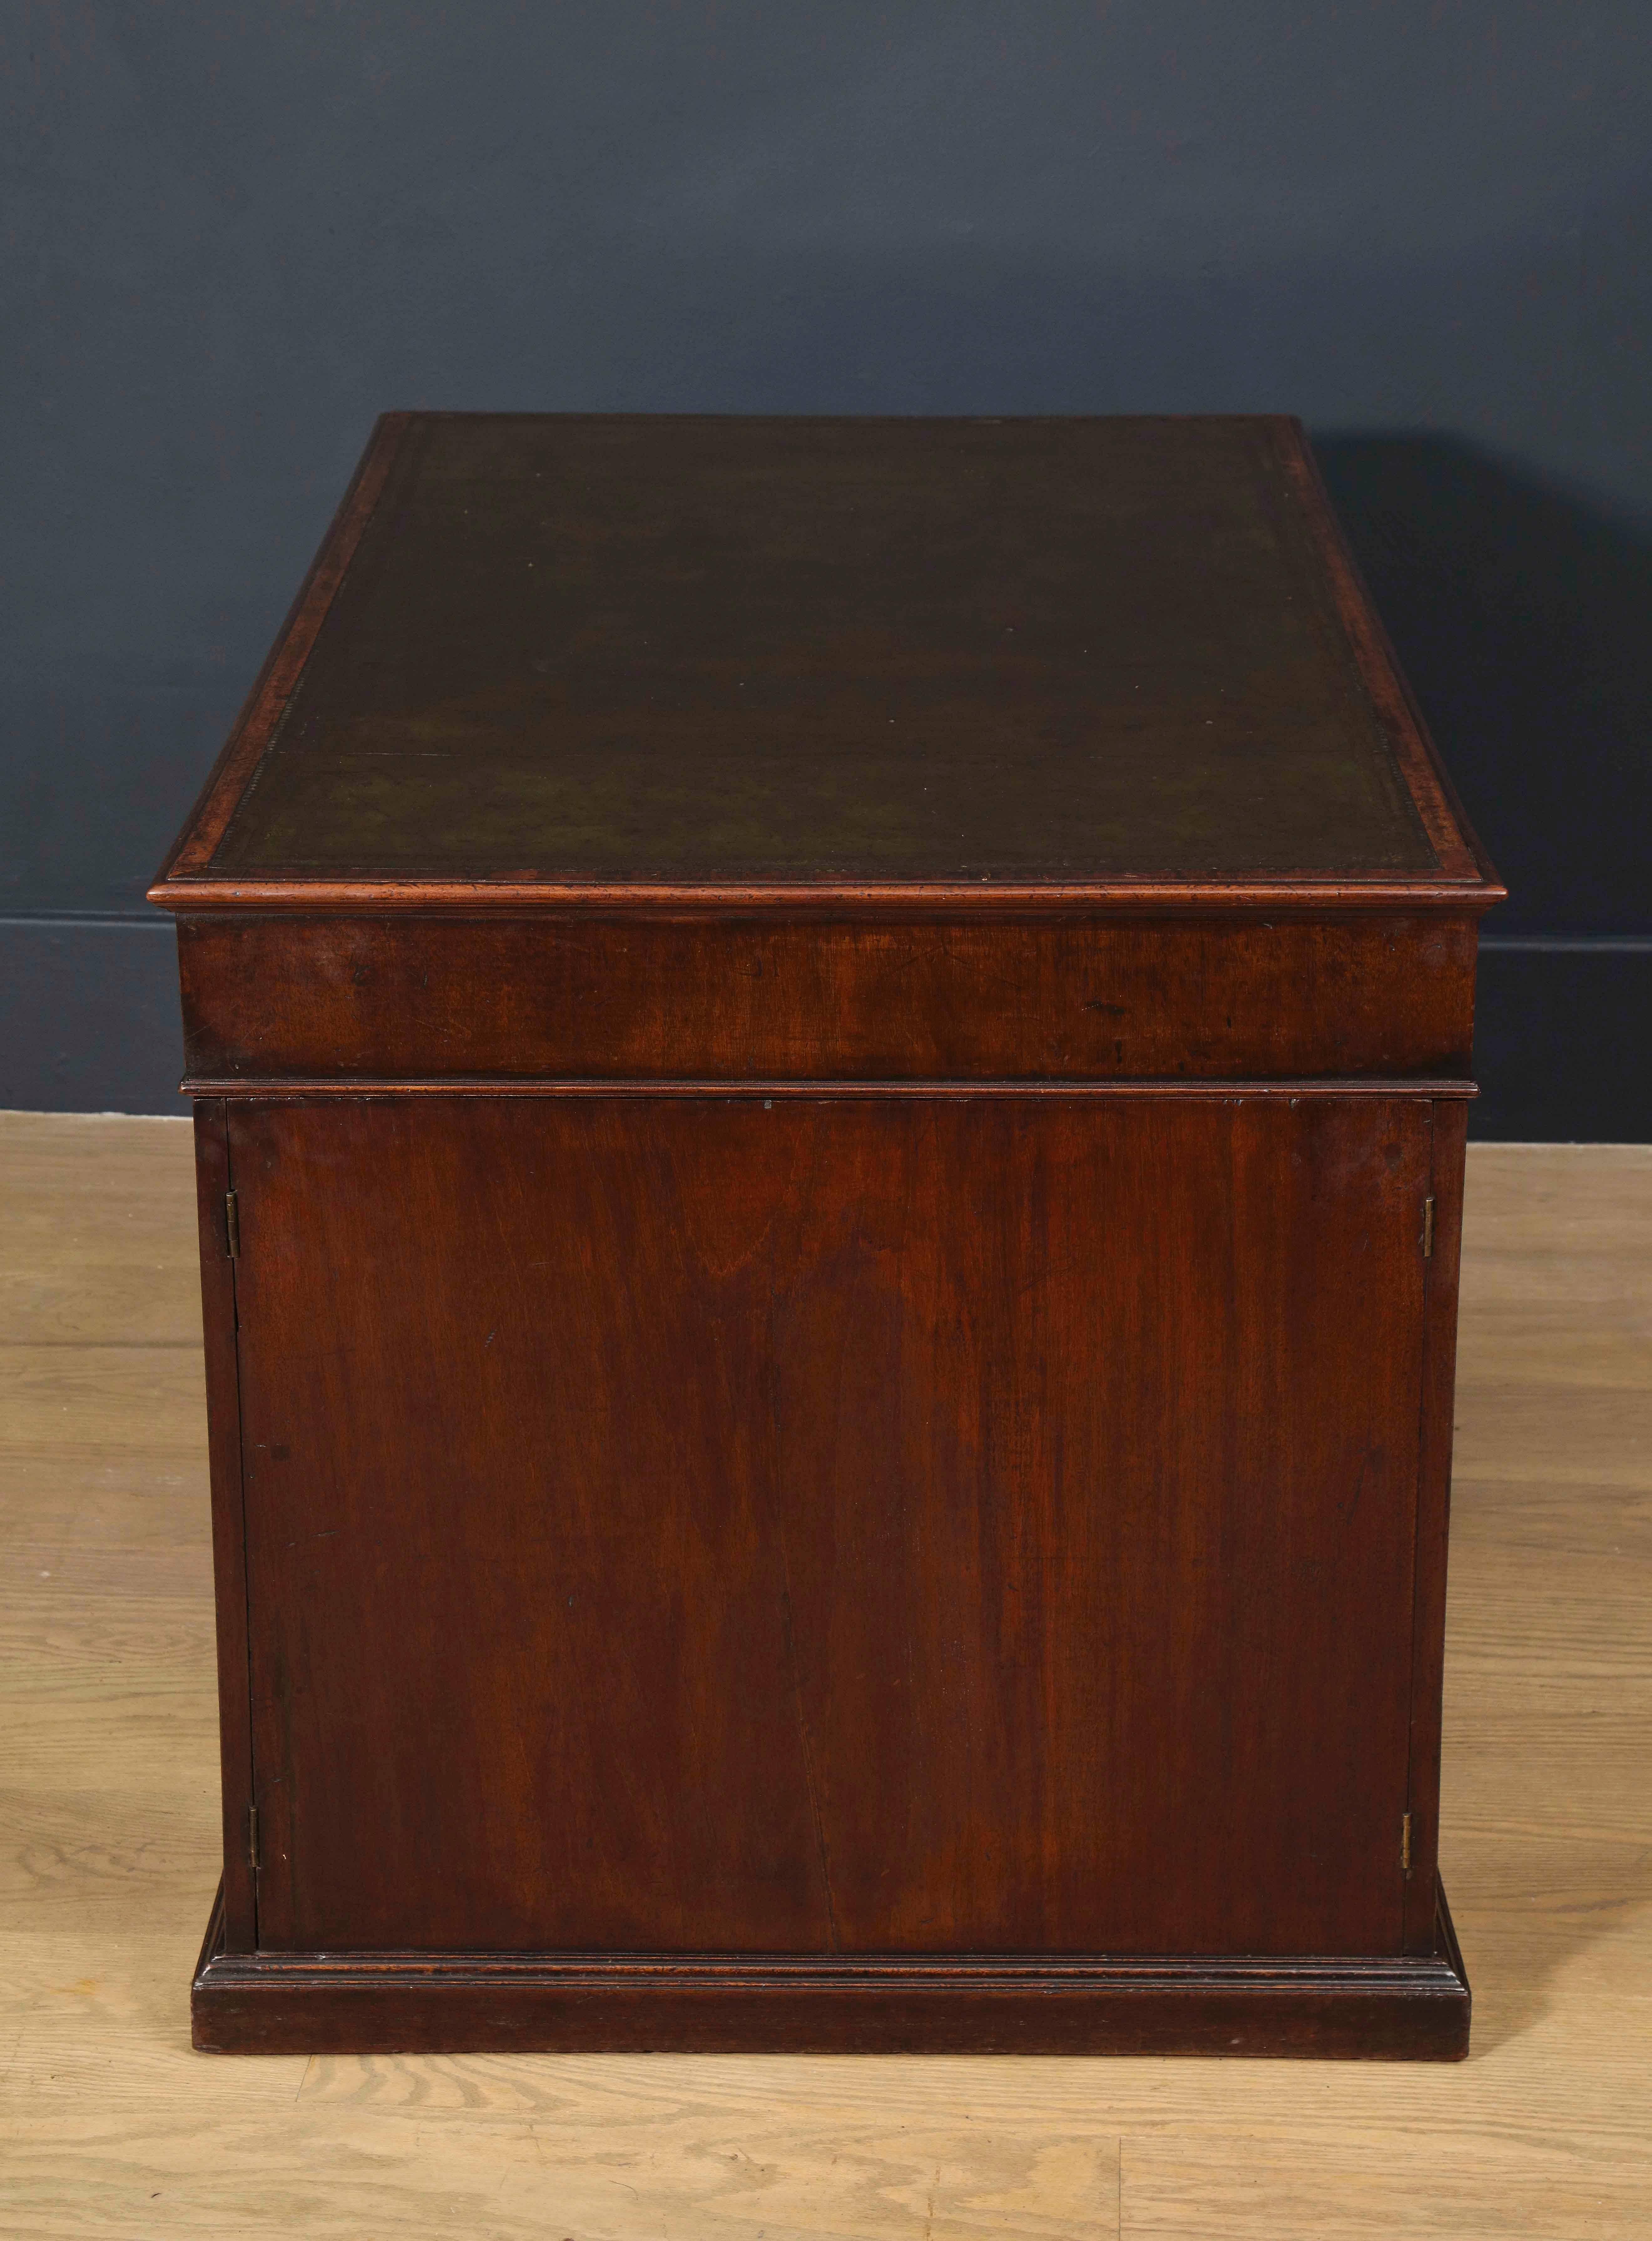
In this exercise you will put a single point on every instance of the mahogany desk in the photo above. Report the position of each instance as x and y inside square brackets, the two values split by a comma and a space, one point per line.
[830, 1061]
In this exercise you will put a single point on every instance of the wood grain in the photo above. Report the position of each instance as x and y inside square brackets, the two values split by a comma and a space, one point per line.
[993, 1519]
[563, 999]
[1442, 1287]
[755, 1438]
[109, 1842]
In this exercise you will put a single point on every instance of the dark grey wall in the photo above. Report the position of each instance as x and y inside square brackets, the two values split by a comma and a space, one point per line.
[233, 233]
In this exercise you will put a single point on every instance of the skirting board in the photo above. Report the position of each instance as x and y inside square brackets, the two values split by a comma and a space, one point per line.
[89, 1016]
[1403, 2008]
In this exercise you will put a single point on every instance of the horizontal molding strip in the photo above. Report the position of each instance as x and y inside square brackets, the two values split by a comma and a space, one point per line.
[1514, 945]
[941, 1971]
[328, 898]
[1225, 1090]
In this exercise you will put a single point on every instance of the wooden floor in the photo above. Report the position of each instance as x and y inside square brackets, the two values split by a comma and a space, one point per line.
[110, 2125]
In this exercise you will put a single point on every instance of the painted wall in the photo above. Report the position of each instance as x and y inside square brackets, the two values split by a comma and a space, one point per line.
[231, 234]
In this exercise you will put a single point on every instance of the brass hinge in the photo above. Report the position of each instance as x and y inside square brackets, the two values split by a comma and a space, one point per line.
[232, 1224]
[252, 1835]
[1405, 1842]
[1427, 1227]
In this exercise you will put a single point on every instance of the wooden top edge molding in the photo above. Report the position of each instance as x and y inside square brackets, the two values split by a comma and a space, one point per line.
[188, 895]
[1223, 1089]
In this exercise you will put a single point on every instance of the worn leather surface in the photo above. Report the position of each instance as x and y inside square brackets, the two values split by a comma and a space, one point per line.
[730, 649]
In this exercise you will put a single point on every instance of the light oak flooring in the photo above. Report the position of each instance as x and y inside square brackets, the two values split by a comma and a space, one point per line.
[110, 2125]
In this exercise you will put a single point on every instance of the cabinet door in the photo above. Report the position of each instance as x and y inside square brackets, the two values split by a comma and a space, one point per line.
[860, 1523]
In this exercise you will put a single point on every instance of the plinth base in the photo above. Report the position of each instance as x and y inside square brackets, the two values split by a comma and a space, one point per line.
[1397, 2007]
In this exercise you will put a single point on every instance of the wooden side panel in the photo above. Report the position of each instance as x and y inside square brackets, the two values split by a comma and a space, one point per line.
[695, 1525]
[1434, 1516]
[229, 1556]
[685, 998]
